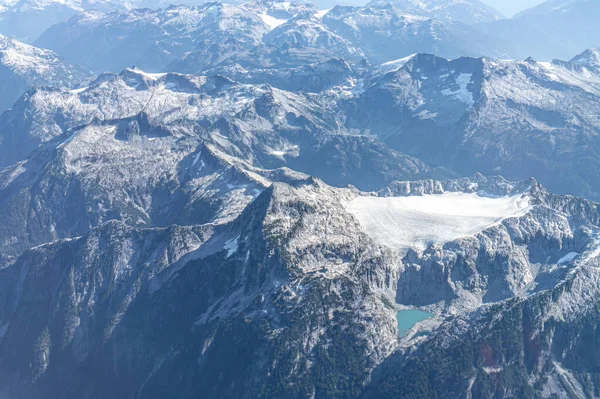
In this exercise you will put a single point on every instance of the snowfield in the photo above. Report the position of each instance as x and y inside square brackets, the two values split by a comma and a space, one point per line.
[417, 222]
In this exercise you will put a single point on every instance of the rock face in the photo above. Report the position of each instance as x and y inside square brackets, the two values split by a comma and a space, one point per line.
[293, 298]
[23, 66]
[483, 115]
[155, 150]
[256, 227]
[252, 301]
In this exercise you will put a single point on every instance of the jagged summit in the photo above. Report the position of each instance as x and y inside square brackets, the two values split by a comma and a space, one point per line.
[264, 34]
[293, 256]
[279, 201]
[589, 58]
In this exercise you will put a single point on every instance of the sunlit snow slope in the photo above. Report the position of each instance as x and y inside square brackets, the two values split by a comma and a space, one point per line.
[416, 222]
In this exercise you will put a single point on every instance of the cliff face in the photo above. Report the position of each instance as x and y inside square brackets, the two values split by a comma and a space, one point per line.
[294, 298]
[262, 301]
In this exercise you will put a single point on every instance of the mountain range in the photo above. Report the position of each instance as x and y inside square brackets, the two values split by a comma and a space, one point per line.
[23, 66]
[465, 11]
[554, 29]
[187, 39]
[27, 19]
[158, 34]
[272, 200]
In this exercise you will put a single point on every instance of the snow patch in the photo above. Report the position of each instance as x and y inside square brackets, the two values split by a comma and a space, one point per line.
[231, 246]
[595, 252]
[272, 22]
[291, 150]
[78, 91]
[462, 93]
[197, 158]
[392, 66]
[417, 222]
[493, 370]
[321, 13]
[3, 330]
[568, 258]
[147, 75]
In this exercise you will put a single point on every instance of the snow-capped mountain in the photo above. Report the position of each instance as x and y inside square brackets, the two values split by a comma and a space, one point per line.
[465, 11]
[256, 34]
[387, 33]
[515, 118]
[589, 59]
[160, 149]
[23, 66]
[466, 115]
[301, 277]
[306, 30]
[312, 78]
[150, 39]
[280, 201]
[27, 19]
[554, 29]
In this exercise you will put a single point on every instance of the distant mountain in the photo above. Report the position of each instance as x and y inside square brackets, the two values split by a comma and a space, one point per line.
[515, 118]
[156, 38]
[550, 7]
[347, 124]
[588, 59]
[255, 35]
[27, 19]
[23, 66]
[151, 39]
[315, 209]
[554, 29]
[465, 11]
[306, 30]
[387, 33]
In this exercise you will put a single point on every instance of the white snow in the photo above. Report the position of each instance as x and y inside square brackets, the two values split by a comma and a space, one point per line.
[10, 174]
[394, 65]
[197, 158]
[462, 93]
[78, 91]
[231, 246]
[288, 149]
[271, 22]
[417, 222]
[322, 13]
[151, 76]
[568, 258]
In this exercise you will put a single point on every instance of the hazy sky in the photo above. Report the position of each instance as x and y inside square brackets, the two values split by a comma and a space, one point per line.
[511, 7]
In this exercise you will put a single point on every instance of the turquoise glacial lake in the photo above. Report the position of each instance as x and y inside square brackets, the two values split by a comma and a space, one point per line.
[408, 318]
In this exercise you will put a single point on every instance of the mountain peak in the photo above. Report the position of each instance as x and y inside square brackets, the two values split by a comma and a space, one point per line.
[25, 66]
[589, 58]
[466, 11]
